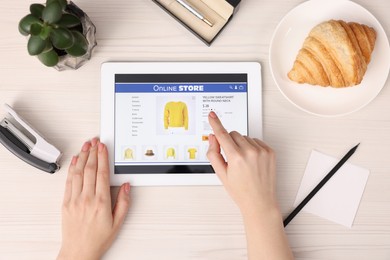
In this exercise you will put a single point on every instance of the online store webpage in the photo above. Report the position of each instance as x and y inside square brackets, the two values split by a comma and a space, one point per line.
[161, 120]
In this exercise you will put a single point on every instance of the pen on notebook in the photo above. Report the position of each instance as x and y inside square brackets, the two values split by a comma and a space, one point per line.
[319, 185]
[194, 11]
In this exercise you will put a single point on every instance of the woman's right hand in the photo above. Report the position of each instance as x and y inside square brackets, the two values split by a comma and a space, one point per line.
[249, 173]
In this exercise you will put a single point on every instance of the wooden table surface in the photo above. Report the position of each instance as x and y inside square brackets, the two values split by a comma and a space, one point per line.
[183, 222]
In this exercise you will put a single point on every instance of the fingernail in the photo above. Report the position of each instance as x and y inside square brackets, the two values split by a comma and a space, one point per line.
[86, 146]
[100, 147]
[74, 160]
[212, 114]
[94, 141]
[211, 138]
[127, 188]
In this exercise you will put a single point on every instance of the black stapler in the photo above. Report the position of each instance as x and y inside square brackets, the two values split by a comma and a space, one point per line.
[25, 142]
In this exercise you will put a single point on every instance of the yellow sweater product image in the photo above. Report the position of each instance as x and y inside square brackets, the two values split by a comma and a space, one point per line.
[176, 115]
[128, 154]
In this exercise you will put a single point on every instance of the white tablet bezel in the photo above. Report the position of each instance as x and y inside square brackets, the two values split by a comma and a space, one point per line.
[108, 71]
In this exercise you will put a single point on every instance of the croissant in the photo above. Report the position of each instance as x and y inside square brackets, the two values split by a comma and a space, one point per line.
[335, 53]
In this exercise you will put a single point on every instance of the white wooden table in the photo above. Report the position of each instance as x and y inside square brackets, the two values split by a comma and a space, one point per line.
[182, 222]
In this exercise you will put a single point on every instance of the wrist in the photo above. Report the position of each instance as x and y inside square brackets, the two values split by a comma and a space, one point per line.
[266, 228]
[268, 215]
[258, 208]
[69, 255]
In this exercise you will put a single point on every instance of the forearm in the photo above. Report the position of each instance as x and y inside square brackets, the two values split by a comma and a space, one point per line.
[265, 236]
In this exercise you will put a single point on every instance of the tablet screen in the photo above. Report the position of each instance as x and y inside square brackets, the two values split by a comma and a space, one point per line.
[161, 120]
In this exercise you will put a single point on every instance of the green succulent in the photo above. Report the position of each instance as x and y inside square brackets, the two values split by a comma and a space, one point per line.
[52, 30]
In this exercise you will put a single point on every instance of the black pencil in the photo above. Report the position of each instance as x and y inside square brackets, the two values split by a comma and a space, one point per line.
[319, 185]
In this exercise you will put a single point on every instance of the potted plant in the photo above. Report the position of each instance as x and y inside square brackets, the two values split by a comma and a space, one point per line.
[60, 34]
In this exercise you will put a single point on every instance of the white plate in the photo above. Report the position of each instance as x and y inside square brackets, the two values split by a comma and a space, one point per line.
[288, 39]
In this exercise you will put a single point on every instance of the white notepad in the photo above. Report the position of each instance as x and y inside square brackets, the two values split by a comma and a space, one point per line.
[339, 198]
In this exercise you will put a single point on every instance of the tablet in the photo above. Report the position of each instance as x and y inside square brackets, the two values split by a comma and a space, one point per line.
[154, 117]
